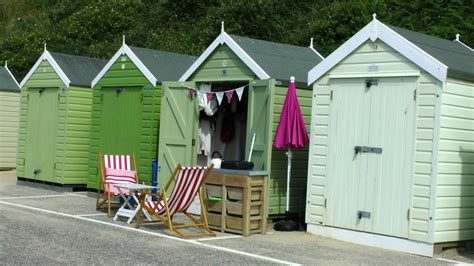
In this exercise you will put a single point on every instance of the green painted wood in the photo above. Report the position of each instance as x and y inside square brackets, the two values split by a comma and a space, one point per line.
[44, 76]
[223, 65]
[41, 134]
[179, 117]
[143, 115]
[259, 120]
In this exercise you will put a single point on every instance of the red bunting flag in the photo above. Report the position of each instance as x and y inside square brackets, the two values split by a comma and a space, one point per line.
[192, 93]
[209, 96]
[229, 95]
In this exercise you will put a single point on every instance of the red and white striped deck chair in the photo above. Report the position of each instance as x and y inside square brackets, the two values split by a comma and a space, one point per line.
[114, 169]
[188, 182]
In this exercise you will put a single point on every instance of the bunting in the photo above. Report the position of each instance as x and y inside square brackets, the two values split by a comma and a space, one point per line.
[229, 95]
[204, 91]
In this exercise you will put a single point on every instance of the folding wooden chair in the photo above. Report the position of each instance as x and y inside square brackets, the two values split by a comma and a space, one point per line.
[114, 169]
[187, 183]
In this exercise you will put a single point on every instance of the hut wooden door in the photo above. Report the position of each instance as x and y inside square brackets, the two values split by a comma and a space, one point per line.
[41, 129]
[260, 108]
[179, 118]
[371, 155]
[121, 121]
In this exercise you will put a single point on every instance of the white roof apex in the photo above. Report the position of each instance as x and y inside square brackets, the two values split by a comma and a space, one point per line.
[311, 46]
[125, 50]
[377, 30]
[46, 56]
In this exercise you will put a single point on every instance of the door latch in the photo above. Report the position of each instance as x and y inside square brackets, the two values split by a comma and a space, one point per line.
[363, 214]
[36, 171]
[362, 149]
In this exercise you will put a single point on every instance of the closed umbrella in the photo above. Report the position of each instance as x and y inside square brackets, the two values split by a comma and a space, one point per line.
[291, 134]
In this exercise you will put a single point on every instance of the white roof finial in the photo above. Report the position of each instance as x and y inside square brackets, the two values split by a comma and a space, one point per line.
[311, 43]
[222, 26]
[6, 63]
[292, 79]
[457, 37]
[123, 39]
[45, 46]
[374, 16]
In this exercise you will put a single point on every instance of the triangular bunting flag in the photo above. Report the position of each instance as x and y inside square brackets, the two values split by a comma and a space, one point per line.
[229, 95]
[240, 92]
[191, 92]
[219, 96]
[209, 96]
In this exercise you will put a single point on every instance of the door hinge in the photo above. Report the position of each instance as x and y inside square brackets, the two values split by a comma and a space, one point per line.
[331, 95]
[408, 214]
[193, 142]
[325, 202]
[414, 95]
[28, 97]
[101, 97]
[59, 97]
[141, 97]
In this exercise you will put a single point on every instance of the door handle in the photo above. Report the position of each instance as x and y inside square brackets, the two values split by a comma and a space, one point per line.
[362, 149]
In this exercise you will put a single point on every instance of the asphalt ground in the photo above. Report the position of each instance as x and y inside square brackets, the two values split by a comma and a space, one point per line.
[40, 226]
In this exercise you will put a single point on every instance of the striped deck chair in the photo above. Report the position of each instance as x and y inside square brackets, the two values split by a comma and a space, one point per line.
[114, 169]
[187, 183]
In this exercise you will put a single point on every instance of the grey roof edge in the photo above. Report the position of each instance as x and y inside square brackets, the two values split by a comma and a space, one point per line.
[9, 80]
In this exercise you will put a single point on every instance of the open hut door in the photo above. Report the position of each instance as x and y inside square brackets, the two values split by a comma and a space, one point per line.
[258, 122]
[179, 117]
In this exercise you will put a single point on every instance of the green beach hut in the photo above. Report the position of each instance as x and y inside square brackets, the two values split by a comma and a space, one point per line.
[9, 116]
[54, 132]
[263, 69]
[126, 105]
[391, 159]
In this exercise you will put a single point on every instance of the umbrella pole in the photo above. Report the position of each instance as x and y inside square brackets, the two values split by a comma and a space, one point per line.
[287, 224]
[288, 175]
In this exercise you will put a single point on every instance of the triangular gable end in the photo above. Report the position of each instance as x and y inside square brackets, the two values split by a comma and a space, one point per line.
[48, 57]
[13, 77]
[224, 38]
[377, 30]
[125, 50]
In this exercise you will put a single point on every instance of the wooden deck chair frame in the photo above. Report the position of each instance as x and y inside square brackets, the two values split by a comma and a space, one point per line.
[106, 197]
[201, 222]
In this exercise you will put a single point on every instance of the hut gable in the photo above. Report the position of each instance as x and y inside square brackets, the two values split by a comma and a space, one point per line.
[153, 64]
[8, 81]
[71, 69]
[265, 59]
[458, 59]
[425, 51]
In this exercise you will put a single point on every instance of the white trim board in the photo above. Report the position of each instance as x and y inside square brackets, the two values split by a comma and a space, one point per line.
[48, 57]
[125, 50]
[224, 38]
[373, 240]
[377, 30]
[13, 77]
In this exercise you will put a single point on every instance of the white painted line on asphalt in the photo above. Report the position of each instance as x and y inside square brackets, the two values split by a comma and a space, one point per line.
[217, 238]
[90, 214]
[77, 195]
[454, 261]
[194, 242]
[35, 197]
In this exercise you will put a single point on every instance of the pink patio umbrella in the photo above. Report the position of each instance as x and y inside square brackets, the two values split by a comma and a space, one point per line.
[291, 134]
